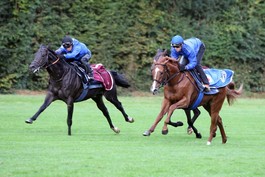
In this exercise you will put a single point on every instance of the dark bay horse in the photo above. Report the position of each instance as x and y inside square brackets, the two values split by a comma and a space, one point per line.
[180, 92]
[66, 85]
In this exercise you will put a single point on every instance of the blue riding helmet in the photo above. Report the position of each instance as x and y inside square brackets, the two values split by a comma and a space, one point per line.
[176, 40]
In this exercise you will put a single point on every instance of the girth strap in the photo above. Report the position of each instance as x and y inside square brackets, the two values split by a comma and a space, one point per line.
[83, 94]
[197, 102]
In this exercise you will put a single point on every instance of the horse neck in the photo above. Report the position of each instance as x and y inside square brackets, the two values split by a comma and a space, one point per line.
[57, 70]
[174, 76]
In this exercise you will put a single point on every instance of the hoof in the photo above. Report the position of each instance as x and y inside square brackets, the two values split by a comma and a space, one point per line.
[116, 130]
[176, 124]
[29, 121]
[208, 143]
[130, 120]
[199, 136]
[179, 123]
[165, 132]
[224, 141]
[147, 133]
[214, 135]
[189, 131]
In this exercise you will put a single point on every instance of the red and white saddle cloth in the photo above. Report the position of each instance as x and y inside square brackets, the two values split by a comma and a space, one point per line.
[102, 75]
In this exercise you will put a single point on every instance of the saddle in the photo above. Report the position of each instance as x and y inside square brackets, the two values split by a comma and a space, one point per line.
[102, 78]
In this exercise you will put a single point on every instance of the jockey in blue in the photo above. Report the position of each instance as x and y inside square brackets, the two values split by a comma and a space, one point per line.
[72, 49]
[192, 49]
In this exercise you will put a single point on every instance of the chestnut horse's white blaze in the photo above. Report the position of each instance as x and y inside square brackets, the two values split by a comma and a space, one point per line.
[154, 87]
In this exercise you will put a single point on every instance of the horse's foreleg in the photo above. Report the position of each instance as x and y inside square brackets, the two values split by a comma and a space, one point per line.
[70, 109]
[168, 121]
[163, 111]
[101, 106]
[48, 100]
[172, 108]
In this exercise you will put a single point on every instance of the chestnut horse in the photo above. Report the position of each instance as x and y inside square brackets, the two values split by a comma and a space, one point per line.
[180, 92]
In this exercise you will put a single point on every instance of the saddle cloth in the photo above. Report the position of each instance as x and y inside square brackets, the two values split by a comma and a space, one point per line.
[219, 78]
[102, 75]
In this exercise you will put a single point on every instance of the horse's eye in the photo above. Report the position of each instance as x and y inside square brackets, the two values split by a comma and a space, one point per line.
[43, 55]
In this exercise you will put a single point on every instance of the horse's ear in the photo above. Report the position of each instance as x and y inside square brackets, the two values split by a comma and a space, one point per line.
[165, 52]
[159, 50]
[49, 48]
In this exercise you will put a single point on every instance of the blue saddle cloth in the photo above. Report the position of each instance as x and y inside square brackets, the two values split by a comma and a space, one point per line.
[217, 78]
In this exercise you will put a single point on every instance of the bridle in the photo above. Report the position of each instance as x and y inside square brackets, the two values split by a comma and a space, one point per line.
[58, 58]
[166, 78]
[43, 62]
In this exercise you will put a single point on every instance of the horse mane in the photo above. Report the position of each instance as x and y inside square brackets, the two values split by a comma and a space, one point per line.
[160, 53]
[163, 53]
[54, 55]
[52, 52]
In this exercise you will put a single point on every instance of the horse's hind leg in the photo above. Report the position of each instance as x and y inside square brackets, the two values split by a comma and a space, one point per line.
[111, 96]
[221, 127]
[104, 110]
[191, 121]
[213, 127]
[196, 113]
[48, 100]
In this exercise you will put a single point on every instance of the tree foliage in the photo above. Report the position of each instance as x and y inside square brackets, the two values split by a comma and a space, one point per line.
[124, 35]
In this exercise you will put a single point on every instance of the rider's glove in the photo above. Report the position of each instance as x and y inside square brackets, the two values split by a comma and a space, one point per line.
[182, 67]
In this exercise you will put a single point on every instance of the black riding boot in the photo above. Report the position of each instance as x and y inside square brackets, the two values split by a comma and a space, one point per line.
[203, 78]
[88, 70]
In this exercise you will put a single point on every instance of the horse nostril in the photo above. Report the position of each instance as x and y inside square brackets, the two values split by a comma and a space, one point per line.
[31, 67]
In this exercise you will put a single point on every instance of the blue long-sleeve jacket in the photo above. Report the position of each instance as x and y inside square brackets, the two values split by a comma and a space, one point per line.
[189, 49]
[79, 49]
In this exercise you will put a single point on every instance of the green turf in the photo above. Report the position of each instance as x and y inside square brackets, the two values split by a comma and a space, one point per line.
[45, 149]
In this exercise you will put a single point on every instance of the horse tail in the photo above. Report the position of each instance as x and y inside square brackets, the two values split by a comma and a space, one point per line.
[120, 79]
[231, 93]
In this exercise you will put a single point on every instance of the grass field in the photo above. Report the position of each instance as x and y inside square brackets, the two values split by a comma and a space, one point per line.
[45, 149]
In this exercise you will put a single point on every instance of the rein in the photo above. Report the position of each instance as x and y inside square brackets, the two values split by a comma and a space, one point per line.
[53, 63]
[50, 54]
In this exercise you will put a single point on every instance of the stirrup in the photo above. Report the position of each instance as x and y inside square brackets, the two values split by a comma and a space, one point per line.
[90, 77]
[207, 88]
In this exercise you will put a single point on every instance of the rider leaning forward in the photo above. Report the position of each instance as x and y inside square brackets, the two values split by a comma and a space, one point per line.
[192, 49]
[72, 49]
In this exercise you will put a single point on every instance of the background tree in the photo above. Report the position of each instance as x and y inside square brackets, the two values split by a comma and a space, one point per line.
[124, 35]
